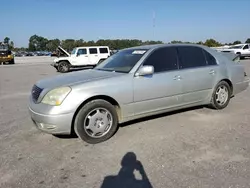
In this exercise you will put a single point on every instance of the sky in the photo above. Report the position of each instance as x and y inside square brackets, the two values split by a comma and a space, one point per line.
[165, 20]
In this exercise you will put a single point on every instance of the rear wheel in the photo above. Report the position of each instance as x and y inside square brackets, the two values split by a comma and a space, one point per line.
[96, 121]
[101, 60]
[63, 67]
[221, 95]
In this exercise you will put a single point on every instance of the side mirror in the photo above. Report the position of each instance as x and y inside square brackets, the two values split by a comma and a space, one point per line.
[145, 70]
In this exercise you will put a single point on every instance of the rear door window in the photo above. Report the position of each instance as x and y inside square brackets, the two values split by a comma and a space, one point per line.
[92, 50]
[191, 57]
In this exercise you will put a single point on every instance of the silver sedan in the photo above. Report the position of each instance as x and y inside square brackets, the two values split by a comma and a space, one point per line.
[134, 83]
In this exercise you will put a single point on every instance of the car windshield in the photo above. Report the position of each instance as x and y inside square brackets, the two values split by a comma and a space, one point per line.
[236, 47]
[123, 61]
[73, 51]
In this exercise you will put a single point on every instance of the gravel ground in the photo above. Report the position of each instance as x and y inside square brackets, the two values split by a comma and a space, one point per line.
[193, 148]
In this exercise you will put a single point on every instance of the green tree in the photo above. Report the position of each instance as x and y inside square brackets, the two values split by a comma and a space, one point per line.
[68, 44]
[236, 42]
[200, 42]
[11, 45]
[248, 40]
[176, 41]
[6, 40]
[52, 45]
[212, 43]
[37, 43]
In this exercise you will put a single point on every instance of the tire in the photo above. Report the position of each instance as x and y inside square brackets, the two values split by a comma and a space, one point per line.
[63, 67]
[12, 62]
[101, 60]
[221, 103]
[100, 120]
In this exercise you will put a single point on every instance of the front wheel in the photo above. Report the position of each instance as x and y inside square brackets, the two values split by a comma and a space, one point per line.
[96, 121]
[12, 62]
[221, 96]
[63, 67]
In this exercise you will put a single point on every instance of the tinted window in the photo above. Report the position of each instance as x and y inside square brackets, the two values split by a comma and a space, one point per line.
[103, 50]
[246, 47]
[82, 51]
[93, 50]
[191, 57]
[209, 58]
[163, 59]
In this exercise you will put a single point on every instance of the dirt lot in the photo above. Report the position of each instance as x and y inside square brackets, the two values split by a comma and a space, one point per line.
[193, 148]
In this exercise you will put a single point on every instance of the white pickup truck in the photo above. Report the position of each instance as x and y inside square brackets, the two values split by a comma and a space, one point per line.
[242, 49]
[81, 57]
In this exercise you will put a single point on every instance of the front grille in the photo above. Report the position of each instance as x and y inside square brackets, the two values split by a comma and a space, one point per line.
[36, 91]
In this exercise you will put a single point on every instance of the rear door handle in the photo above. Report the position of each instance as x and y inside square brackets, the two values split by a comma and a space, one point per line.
[211, 72]
[177, 78]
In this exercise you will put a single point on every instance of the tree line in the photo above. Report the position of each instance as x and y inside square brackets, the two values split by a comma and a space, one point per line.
[40, 43]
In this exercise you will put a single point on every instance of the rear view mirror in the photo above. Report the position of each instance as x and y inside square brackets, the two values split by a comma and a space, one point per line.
[145, 70]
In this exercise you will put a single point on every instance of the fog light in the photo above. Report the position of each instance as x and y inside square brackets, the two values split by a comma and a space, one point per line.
[46, 126]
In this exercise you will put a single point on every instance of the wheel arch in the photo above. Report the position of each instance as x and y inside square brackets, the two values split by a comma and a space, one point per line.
[64, 60]
[103, 97]
[229, 83]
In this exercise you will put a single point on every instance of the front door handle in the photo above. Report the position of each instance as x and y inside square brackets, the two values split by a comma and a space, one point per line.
[177, 78]
[211, 72]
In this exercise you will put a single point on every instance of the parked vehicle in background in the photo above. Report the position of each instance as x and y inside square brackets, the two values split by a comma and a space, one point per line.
[81, 57]
[6, 56]
[134, 83]
[242, 49]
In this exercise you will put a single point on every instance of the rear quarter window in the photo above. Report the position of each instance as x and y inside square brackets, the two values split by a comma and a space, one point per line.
[209, 58]
[103, 50]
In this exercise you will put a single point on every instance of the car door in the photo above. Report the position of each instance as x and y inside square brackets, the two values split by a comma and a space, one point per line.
[198, 70]
[93, 56]
[161, 90]
[246, 50]
[81, 57]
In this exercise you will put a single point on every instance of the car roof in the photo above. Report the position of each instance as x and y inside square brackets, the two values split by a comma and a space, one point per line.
[154, 46]
[93, 47]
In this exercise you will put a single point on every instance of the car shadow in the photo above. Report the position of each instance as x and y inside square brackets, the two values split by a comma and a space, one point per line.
[128, 123]
[152, 117]
[126, 177]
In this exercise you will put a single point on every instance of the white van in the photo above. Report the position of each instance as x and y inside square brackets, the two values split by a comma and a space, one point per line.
[81, 57]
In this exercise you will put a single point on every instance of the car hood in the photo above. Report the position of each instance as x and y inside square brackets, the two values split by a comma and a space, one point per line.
[72, 78]
[63, 51]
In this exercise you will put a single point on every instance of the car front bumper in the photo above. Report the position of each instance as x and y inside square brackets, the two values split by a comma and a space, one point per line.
[53, 124]
[5, 59]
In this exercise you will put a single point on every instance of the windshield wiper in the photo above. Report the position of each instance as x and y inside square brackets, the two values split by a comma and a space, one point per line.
[111, 70]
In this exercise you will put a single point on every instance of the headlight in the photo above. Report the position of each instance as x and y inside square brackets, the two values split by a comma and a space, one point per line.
[56, 96]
